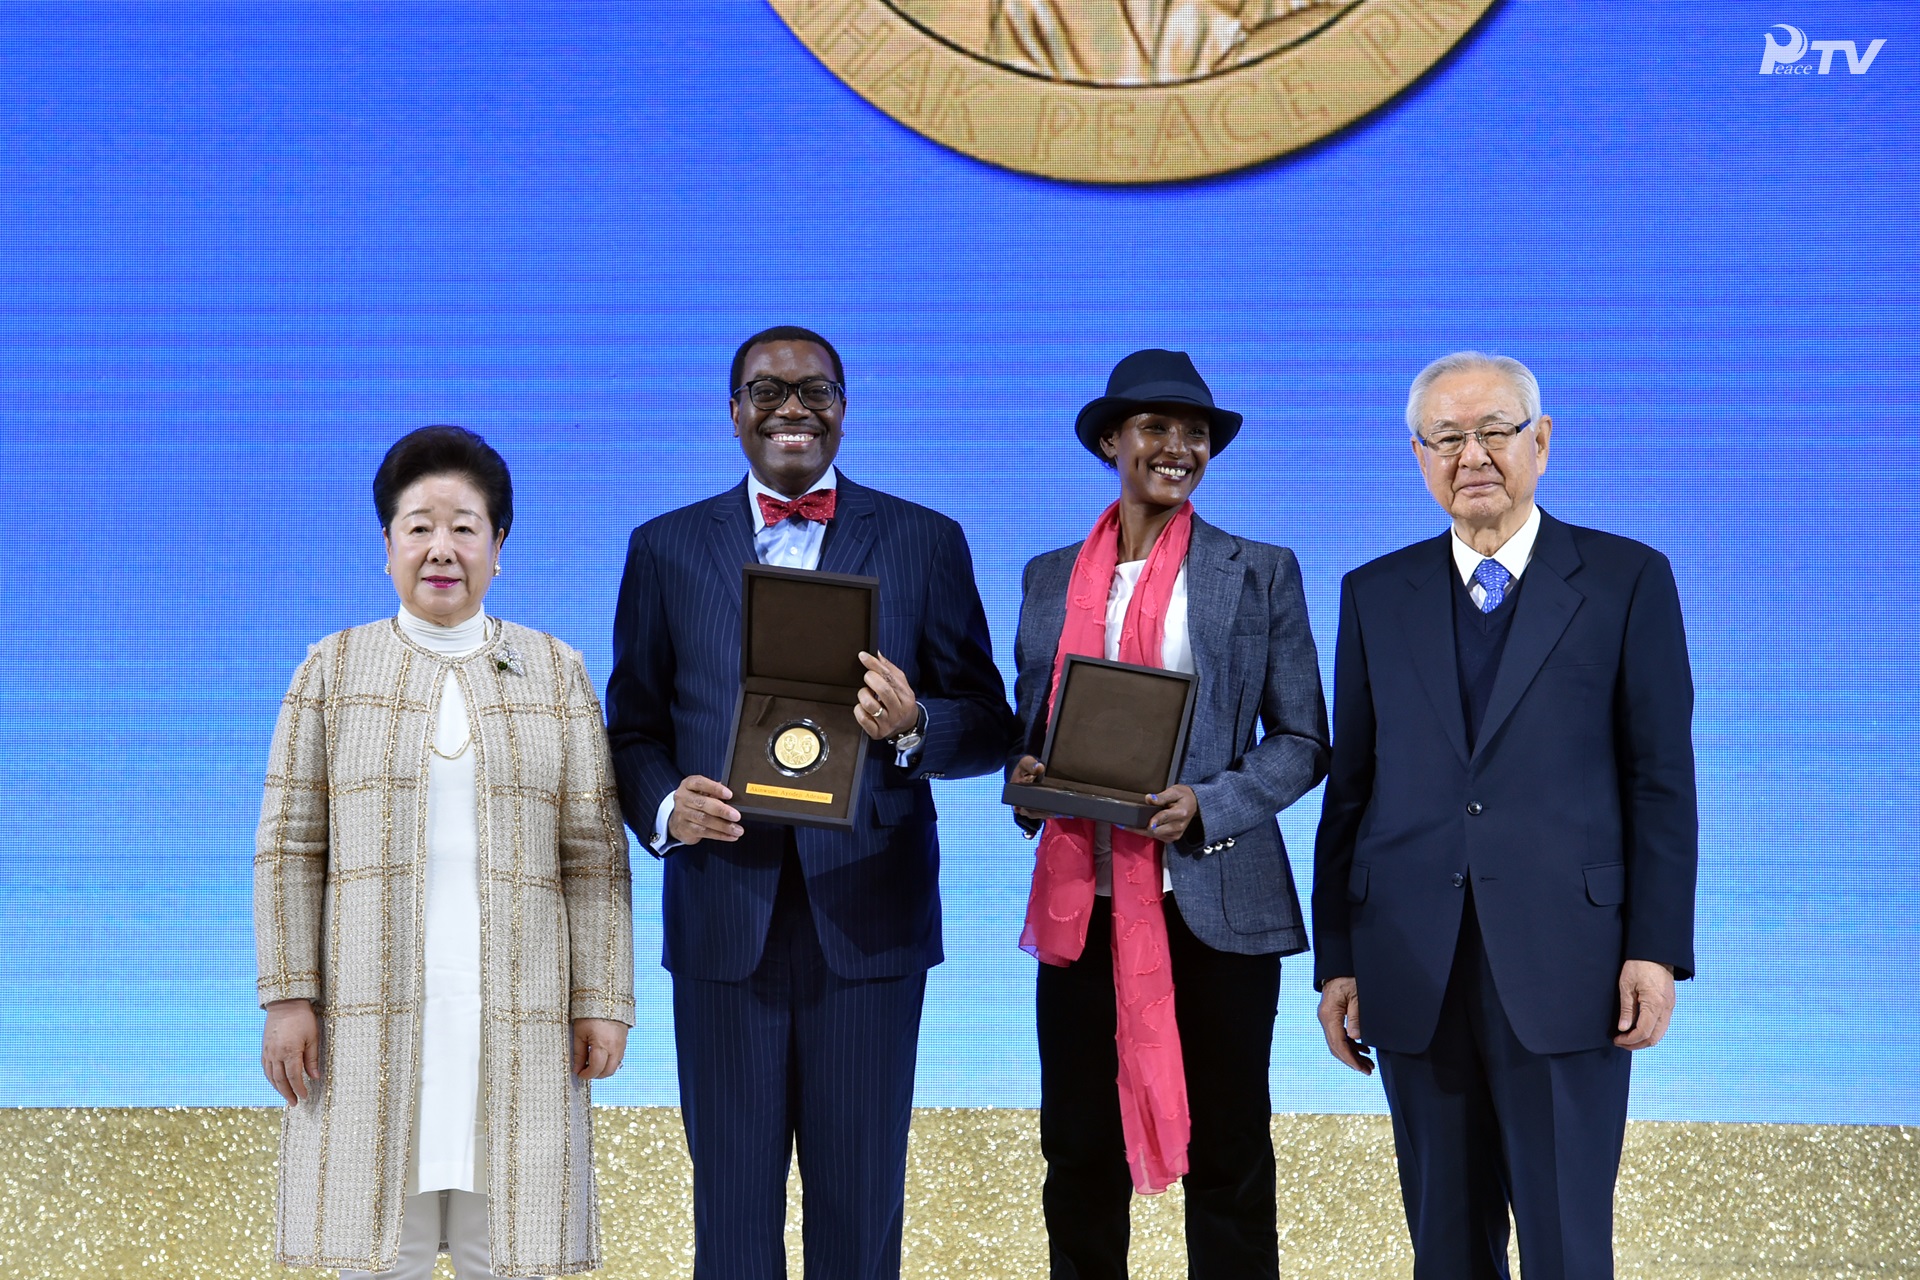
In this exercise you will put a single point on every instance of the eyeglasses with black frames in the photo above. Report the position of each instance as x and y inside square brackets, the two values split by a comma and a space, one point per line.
[768, 394]
[1493, 437]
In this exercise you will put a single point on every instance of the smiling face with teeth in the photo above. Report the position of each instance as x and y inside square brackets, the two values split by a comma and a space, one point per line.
[792, 446]
[1160, 455]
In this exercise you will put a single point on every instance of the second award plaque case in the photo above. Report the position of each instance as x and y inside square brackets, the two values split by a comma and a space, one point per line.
[1117, 734]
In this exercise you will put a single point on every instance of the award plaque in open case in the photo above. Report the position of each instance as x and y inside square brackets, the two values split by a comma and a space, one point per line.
[1118, 733]
[797, 754]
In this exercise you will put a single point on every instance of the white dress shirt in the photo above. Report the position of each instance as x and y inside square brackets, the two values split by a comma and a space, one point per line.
[449, 1140]
[1513, 555]
[1176, 654]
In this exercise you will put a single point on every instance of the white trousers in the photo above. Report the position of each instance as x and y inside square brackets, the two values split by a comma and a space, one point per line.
[464, 1229]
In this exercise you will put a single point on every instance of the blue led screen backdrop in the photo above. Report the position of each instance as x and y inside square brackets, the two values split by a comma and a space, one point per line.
[243, 248]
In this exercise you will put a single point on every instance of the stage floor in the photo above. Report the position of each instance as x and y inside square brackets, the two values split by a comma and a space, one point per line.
[187, 1193]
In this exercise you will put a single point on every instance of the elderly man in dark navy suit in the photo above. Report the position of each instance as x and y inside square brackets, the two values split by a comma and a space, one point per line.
[1504, 874]
[799, 956]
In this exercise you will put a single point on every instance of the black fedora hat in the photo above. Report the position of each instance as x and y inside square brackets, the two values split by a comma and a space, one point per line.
[1149, 378]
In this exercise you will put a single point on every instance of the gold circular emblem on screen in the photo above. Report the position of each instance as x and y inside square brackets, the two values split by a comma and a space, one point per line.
[798, 748]
[1128, 91]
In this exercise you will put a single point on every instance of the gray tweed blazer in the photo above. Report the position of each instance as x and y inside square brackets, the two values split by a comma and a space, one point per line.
[1259, 736]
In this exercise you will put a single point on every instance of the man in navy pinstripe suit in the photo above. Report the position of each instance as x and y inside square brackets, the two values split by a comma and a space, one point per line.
[799, 956]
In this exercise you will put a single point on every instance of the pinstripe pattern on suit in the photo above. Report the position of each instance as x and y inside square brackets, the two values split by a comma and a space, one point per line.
[1259, 736]
[798, 1056]
[670, 703]
[799, 955]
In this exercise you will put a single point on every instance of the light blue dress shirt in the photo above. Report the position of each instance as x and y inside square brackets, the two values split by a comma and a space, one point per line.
[793, 543]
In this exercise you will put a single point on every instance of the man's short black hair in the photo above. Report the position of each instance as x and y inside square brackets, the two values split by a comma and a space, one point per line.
[783, 333]
[444, 451]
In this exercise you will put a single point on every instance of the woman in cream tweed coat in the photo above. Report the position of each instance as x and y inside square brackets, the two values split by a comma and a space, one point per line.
[442, 911]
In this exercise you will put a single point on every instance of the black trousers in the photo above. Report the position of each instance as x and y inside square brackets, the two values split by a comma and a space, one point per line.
[1480, 1123]
[1225, 1006]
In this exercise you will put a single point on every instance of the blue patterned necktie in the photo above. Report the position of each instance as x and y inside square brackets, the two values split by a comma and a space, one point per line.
[1493, 579]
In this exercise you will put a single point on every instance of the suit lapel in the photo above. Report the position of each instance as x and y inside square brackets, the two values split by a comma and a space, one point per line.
[850, 533]
[1427, 625]
[1545, 607]
[732, 543]
[1213, 595]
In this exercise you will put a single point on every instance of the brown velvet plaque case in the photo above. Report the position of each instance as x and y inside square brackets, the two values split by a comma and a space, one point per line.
[797, 754]
[1118, 733]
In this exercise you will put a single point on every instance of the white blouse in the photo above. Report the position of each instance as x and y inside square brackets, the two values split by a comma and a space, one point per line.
[449, 1136]
[1176, 654]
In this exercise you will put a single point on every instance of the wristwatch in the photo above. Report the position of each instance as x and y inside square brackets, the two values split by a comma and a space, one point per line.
[908, 741]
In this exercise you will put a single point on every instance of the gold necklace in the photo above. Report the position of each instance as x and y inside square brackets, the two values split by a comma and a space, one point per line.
[435, 747]
[493, 634]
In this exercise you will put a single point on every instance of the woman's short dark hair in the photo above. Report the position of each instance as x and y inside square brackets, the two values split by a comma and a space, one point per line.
[444, 451]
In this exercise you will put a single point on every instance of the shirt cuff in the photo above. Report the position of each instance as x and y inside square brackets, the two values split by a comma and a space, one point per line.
[660, 842]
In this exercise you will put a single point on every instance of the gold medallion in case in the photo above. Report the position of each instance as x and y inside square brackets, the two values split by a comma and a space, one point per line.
[797, 748]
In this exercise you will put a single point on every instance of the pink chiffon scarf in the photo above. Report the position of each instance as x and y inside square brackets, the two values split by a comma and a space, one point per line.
[1152, 1079]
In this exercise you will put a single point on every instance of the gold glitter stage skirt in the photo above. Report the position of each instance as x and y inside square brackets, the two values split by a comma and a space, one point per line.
[188, 1193]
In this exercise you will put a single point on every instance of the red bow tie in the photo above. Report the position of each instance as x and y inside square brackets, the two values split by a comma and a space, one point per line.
[816, 506]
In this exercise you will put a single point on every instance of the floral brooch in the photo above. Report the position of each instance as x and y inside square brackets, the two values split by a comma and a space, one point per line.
[507, 658]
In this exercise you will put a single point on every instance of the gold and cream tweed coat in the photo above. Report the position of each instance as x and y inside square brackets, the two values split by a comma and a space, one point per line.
[339, 874]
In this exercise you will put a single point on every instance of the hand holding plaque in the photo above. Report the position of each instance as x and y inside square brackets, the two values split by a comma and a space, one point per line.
[1178, 808]
[888, 705]
[701, 812]
[1116, 737]
[1027, 772]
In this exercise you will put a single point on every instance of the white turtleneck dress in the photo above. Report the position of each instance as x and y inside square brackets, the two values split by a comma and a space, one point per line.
[449, 1138]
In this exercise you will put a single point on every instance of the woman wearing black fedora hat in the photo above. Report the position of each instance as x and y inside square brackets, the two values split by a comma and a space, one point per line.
[1195, 912]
